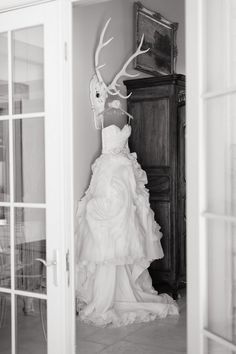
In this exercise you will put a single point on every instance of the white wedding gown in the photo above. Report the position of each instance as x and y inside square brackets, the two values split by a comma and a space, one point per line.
[117, 239]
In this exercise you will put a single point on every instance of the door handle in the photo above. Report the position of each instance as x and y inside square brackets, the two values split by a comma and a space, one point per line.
[53, 263]
[47, 264]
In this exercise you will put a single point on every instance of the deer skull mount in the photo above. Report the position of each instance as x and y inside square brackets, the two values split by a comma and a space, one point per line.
[98, 89]
[98, 96]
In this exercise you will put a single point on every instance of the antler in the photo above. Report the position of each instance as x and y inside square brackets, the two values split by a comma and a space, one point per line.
[112, 88]
[123, 72]
[100, 46]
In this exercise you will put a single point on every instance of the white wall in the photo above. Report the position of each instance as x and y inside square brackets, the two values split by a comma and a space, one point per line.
[6, 4]
[88, 23]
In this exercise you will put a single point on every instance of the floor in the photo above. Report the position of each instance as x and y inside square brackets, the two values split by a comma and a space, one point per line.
[165, 336]
[30, 336]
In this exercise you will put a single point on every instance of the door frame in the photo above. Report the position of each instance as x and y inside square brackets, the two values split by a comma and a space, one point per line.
[194, 154]
[194, 177]
[66, 74]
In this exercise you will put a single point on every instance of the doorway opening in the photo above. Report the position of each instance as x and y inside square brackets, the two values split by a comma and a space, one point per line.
[163, 101]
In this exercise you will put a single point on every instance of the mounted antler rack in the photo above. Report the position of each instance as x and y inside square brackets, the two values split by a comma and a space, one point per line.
[99, 90]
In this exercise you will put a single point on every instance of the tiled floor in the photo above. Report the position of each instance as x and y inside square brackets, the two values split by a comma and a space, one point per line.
[165, 336]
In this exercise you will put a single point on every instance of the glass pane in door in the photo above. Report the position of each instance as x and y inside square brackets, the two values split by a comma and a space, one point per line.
[28, 70]
[220, 141]
[218, 44]
[30, 244]
[29, 160]
[31, 326]
[3, 74]
[5, 248]
[221, 278]
[232, 33]
[211, 347]
[5, 323]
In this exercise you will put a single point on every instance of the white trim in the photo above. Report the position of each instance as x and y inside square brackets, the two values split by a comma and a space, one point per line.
[88, 2]
[28, 115]
[55, 196]
[5, 204]
[30, 205]
[24, 205]
[23, 116]
[195, 295]
[202, 259]
[23, 5]
[229, 280]
[66, 70]
[12, 216]
[30, 294]
[12, 238]
[23, 293]
[10, 103]
[5, 290]
[4, 117]
[219, 93]
[224, 342]
[223, 217]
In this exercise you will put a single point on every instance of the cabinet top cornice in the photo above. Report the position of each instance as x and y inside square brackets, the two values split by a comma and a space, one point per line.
[178, 79]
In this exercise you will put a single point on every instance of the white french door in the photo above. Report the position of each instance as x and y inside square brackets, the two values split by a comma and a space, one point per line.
[34, 272]
[211, 177]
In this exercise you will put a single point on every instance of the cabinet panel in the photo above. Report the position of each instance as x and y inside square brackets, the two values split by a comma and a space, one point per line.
[162, 216]
[150, 130]
[159, 183]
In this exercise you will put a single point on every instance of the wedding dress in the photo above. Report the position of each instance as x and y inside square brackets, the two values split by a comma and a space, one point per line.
[117, 239]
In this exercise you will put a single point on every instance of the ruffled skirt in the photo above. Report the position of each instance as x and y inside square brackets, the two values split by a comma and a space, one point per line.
[117, 239]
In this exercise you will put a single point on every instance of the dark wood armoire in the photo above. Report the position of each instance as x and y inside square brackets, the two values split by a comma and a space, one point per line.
[158, 137]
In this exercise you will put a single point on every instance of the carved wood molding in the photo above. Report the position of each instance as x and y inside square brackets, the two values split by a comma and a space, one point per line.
[181, 96]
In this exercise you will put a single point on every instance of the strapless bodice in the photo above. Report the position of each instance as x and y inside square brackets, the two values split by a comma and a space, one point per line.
[115, 140]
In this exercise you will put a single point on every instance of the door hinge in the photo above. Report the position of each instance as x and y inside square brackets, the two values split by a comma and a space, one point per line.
[65, 51]
[68, 267]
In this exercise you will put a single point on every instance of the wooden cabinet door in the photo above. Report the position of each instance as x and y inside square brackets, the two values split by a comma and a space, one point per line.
[153, 140]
